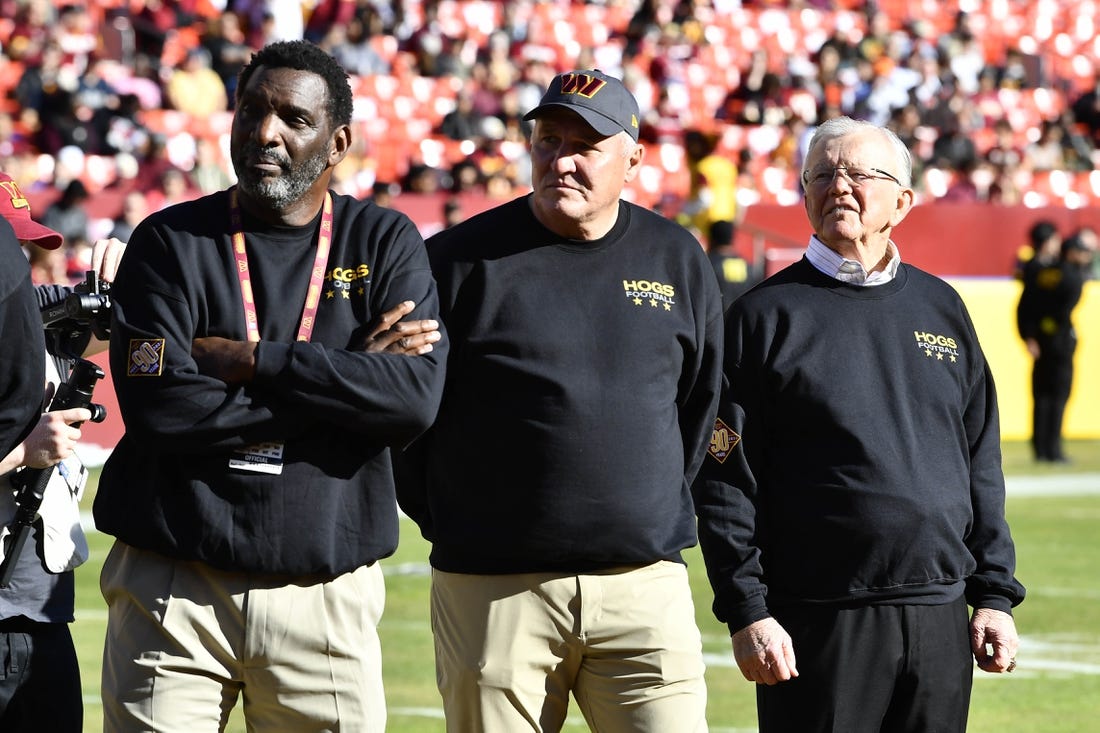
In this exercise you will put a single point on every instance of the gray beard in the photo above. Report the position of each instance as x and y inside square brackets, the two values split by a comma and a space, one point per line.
[279, 193]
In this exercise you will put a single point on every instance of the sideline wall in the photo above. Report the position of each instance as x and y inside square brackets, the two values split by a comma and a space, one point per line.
[992, 306]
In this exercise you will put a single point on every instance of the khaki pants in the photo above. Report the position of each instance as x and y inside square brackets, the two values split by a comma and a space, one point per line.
[510, 648]
[184, 640]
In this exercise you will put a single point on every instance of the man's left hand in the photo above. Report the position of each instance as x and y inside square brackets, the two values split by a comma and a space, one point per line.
[106, 255]
[996, 630]
[391, 335]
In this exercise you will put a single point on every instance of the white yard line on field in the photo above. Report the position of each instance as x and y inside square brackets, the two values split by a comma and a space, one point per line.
[1072, 484]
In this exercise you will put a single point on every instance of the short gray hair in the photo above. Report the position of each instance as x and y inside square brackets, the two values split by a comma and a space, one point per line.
[841, 126]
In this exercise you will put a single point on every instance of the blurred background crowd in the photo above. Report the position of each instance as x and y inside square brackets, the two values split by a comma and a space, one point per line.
[112, 109]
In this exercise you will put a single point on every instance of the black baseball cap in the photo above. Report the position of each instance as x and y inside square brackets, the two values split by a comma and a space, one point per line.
[601, 100]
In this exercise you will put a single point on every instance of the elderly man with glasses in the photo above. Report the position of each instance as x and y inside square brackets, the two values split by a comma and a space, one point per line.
[859, 447]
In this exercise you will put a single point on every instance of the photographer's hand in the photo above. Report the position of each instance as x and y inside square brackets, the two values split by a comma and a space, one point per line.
[394, 336]
[51, 441]
[106, 256]
[233, 362]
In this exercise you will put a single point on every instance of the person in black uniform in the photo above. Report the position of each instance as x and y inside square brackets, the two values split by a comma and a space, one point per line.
[40, 680]
[735, 274]
[22, 371]
[262, 378]
[23, 637]
[554, 485]
[852, 503]
[1052, 284]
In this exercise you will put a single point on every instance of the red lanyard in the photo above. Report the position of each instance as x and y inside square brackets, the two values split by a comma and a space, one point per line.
[316, 280]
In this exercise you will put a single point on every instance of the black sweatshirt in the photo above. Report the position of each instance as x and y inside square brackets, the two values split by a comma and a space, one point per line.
[868, 418]
[168, 487]
[22, 371]
[581, 391]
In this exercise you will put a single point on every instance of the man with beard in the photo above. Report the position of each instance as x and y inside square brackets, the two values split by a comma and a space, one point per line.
[263, 374]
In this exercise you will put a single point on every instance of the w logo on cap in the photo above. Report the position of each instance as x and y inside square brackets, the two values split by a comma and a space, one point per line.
[18, 200]
[601, 100]
[581, 84]
[16, 208]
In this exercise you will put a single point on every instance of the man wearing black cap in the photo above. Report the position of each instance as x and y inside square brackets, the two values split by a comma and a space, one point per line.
[579, 402]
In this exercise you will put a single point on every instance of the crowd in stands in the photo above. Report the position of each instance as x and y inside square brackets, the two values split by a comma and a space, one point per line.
[998, 99]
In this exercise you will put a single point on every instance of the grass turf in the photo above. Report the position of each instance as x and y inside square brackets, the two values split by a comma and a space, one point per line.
[1055, 690]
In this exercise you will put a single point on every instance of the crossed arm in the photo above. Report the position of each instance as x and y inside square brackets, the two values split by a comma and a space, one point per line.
[234, 362]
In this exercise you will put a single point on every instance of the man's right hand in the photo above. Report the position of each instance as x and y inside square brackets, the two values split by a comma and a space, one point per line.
[394, 336]
[764, 652]
[54, 437]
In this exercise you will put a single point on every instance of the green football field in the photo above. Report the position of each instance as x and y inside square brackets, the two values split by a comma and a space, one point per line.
[1055, 517]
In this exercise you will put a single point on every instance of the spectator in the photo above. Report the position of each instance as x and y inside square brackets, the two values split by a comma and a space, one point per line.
[31, 31]
[324, 15]
[76, 36]
[350, 45]
[421, 178]
[1005, 152]
[225, 41]
[382, 193]
[452, 213]
[44, 93]
[153, 22]
[711, 207]
[196, 89]
[954, 148]
[433, 49]
[963, 189]
[68, 215]
[135, 207]
[48, 266]
[211, 173]
[1047, 152]
[1086, 109]
[96, 103]
[463, 122]
[466, 177]
[964, 53]
[175, 187]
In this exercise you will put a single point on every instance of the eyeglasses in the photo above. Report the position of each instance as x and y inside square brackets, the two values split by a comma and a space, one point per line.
[856, 177]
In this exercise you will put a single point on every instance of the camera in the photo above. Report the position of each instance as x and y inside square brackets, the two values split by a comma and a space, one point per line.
[83, 313]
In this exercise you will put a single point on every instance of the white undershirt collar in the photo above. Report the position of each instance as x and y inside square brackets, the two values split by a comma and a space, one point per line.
[851, 271]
